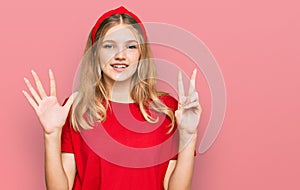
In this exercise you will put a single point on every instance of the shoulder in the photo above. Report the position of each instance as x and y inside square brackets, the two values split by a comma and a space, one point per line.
[169, 101]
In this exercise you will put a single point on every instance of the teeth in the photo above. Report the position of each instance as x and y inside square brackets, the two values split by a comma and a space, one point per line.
[119, 66]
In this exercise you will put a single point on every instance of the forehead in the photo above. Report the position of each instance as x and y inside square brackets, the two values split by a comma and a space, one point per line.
[121, 33]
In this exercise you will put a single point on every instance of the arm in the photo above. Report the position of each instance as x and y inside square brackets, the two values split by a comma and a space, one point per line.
[170, 169]
[59, 169]
[187, 117]
[69, 166]
[181, 177]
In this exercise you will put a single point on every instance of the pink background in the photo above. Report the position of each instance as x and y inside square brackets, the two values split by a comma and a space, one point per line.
[256, 44]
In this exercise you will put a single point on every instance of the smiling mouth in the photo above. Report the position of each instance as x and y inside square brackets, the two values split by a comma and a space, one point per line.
[119, 66]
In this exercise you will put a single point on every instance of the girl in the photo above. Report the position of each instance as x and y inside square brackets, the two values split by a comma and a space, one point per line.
[116, 71]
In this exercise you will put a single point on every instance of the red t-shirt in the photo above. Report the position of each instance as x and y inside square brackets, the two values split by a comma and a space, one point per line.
[118, 167]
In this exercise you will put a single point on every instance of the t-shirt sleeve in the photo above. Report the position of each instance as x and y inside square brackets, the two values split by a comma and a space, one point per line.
[66, 137]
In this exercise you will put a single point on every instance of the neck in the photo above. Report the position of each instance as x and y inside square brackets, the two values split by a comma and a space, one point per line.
[119, 91]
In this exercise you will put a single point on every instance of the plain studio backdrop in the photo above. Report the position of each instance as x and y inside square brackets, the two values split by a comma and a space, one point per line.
[255, 43]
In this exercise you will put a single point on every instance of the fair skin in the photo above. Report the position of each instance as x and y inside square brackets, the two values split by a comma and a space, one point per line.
[119, 49]
[119, 56]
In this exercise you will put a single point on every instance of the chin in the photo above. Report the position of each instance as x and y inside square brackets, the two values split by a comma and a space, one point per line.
[121, 77]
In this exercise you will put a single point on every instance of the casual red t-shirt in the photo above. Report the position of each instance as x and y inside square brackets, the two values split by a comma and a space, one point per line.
[96, 171]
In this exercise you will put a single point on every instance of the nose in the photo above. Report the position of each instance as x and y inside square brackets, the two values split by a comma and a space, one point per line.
[120, 55]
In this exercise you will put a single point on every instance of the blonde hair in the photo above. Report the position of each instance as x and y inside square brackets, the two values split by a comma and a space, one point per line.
[92, 101]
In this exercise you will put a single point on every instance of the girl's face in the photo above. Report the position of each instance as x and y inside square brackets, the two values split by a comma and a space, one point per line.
[119, 53]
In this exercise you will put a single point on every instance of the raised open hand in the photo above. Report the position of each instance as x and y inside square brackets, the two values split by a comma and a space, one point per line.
[50, 113]
[189, 109]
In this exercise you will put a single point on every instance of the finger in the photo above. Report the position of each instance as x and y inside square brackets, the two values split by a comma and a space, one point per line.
[183, 102]
[192, 82]
[30, 100]
[39, 84]
[192, 105]
[194, 97]
[52, 84]
[70, 101]
[180, 88]
[32, 91]
[178, 115]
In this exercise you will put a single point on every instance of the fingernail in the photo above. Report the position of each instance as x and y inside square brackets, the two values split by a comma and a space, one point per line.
[25, 79]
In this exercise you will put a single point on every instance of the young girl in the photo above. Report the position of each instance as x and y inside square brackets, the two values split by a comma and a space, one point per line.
[116, 72]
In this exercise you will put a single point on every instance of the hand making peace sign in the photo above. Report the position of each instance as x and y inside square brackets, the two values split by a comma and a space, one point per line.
[189, 109]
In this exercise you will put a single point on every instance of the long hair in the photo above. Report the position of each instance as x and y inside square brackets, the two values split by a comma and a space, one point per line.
[92, 101]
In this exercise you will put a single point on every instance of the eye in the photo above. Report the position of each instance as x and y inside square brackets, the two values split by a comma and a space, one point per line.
[132, 46]
[108, 46]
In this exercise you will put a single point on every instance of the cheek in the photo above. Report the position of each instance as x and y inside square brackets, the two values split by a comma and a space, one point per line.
[134, 57]
[105, 57]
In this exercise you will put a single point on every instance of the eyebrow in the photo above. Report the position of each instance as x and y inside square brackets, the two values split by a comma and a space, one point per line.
[128, 41]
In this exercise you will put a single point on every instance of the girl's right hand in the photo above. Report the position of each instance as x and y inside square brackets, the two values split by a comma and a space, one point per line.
[50, 113]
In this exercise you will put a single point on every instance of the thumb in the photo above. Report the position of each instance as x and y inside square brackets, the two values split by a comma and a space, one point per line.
[70, 101]
[178, 114]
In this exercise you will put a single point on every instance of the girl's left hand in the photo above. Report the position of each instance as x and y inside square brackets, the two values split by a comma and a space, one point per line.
[189, 109]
